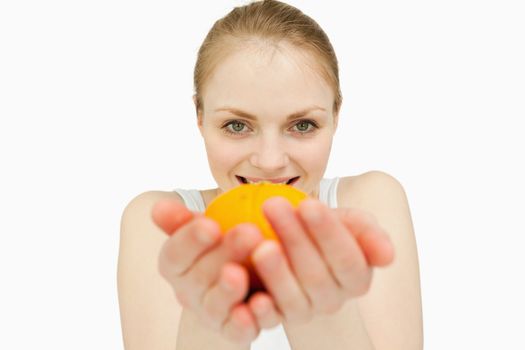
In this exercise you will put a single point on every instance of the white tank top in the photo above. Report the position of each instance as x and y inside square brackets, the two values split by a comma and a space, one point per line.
[274, 338]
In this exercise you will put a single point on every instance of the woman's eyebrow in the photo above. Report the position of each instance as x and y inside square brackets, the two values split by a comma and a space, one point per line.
[252, 117]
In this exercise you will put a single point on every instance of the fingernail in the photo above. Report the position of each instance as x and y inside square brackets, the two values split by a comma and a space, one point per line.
[205, 237]
[261, 308]
[207, 231]
[226, 285]
[268, 255]
[248, 237]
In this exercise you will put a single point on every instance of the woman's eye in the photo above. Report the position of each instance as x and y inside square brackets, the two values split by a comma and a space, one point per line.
[235, 127]
[302, 126]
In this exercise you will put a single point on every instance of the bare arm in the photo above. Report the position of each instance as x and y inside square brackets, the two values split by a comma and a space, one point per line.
[151, 316]
[392, 309]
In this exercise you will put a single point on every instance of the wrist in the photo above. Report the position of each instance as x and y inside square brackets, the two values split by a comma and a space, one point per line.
[343, 329]
[194, 334]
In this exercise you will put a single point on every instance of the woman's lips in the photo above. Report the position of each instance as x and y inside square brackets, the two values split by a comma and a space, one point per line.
[292, 180]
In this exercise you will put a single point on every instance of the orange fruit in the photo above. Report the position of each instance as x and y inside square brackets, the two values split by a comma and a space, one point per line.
[244, 204]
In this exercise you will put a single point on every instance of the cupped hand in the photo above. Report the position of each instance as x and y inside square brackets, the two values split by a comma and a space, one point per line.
[205, 268]
[325, 257]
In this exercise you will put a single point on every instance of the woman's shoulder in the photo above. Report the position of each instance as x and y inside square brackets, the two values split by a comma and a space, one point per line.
[355, 190]
[148, 198]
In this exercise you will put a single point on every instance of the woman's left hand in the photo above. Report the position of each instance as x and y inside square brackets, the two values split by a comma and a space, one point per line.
[325, 257]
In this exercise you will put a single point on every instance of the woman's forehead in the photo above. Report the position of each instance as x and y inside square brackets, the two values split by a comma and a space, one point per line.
[248, 79]
[279, 64]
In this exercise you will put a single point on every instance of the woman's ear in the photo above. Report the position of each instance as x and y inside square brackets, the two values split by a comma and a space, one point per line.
[198, 113]
[336, 121]
[194, 97]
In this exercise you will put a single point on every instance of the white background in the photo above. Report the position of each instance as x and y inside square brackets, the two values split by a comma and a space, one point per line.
[95, 107]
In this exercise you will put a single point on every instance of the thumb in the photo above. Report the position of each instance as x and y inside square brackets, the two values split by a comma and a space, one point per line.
[170, 215]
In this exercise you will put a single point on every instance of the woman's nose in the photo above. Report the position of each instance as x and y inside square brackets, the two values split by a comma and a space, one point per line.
[269, 156]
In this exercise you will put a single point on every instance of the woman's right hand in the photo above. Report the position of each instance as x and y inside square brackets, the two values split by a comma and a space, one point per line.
[206, 272]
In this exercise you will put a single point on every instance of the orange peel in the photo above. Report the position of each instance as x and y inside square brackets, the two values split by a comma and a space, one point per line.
[243, 204]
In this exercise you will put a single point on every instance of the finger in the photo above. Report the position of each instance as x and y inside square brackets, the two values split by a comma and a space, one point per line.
[339, 248]
[264, 310]
[379, 249]
[222, 297]
[180, 251]
[241, 327]
[169, 215]
[237, 246]
[374, 241]
[273, 269]
[307, 263]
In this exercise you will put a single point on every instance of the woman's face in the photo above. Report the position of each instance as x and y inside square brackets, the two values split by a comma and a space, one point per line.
[251, 125]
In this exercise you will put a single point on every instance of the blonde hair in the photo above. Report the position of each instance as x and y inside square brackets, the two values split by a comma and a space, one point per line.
[271, 22]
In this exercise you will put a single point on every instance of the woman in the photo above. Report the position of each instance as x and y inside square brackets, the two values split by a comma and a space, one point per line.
[267, 100]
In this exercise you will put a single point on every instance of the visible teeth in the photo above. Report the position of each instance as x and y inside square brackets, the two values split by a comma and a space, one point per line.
[247, 181]
[252, 182]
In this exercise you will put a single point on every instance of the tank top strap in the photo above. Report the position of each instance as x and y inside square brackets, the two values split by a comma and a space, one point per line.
[328, 191]
[192, 199]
